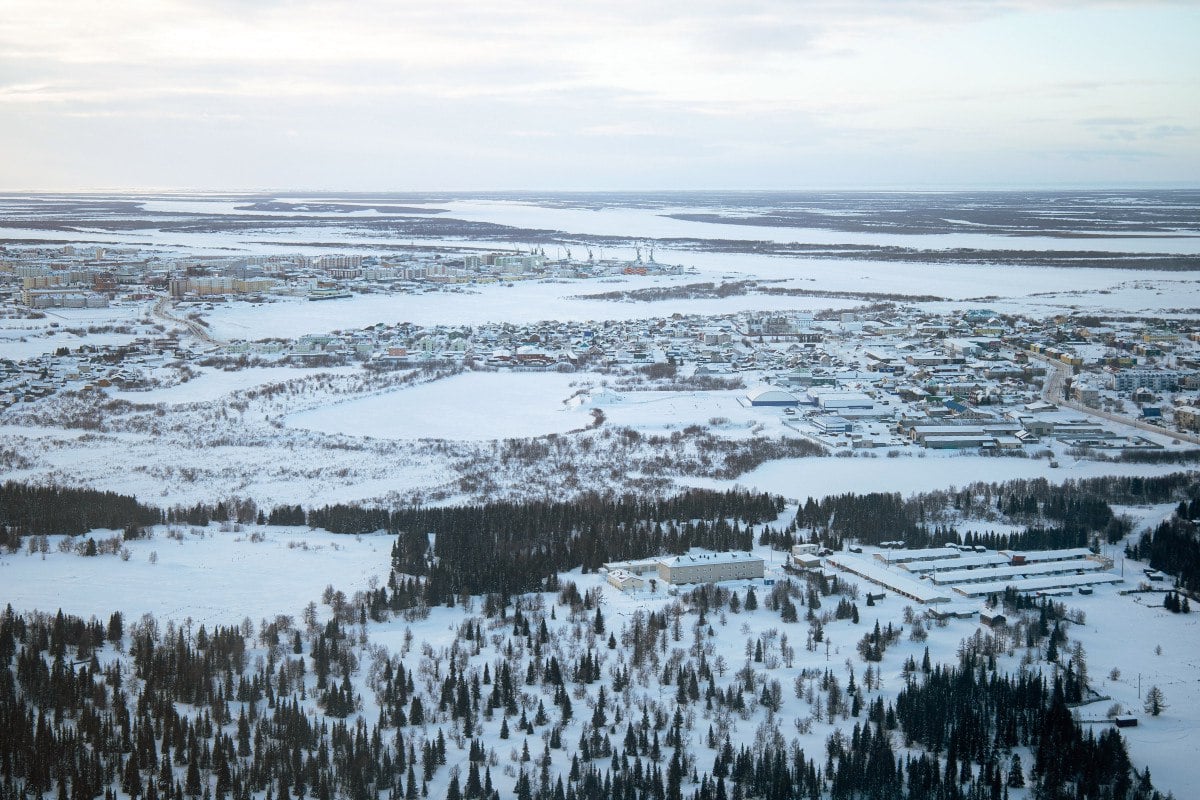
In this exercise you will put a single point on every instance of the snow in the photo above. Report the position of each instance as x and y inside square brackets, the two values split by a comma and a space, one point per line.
[523, 302]
[654, 224]
[221, 578]
[211, 576]
[1123, 631]
[20, 348]
[343, 443]
[816, 477]
[214, 384]
[471, 406]
[65, 327]
[654, 410]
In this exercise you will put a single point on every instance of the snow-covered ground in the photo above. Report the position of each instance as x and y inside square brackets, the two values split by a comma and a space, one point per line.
[522, 302]
[655, 224]
[23, 338]
[800, 478]
[655, 411]
[475, 405]
[1031, 290]
[221, 578]
[1150, 646]
[340, 435]
[206, 574]
[214, 384]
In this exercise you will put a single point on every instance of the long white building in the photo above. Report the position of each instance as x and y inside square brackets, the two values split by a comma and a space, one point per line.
[709, 568]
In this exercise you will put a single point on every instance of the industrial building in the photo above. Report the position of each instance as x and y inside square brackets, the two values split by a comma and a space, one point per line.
[924, 554]
[986, 574]
[805, 556]
[770, 396]
[1041, 585]
[938, 574]
[709, 568]
[920, 591]
[963, 562]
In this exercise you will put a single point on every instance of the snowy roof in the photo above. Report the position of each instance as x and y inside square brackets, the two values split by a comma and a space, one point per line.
[964, 562]
[897, 582]
[1034, 556]
[926, 554]
[1036, 584]
[770, 394]
[709, 559]
[1026, 570]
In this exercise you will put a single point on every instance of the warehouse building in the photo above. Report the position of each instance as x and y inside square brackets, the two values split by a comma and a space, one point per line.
[920, 591]
[770, 396]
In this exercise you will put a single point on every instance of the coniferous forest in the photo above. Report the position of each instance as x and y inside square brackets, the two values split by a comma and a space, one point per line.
[1174, 546]
[92, 709]
[592, 705]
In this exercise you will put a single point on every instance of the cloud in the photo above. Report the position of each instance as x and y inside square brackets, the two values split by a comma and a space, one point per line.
[1133, 129]
[735, 86]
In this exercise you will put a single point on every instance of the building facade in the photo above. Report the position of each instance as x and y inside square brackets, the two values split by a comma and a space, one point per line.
[709, 568]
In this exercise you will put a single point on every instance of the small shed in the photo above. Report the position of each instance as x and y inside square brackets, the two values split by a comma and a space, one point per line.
[806, 561]
[992, 620]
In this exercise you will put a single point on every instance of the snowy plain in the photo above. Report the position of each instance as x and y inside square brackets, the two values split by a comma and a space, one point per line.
[800, 478]
[479, 405]
[209, 575]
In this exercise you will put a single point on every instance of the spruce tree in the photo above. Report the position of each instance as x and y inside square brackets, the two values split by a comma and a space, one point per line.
[1154, 702]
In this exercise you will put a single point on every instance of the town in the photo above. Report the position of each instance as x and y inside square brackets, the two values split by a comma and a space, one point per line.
[891, 375]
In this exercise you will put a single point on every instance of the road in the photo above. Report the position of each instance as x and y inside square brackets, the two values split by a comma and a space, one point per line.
[199, 331]
[1052, 392]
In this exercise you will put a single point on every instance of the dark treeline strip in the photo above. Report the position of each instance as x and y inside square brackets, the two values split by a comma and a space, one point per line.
[1069, 514]
[1160, 457]
[510, 547]
[513, 547]
[40, 510]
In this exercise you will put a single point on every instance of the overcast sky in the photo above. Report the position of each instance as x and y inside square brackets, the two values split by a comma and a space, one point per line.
[571, 94]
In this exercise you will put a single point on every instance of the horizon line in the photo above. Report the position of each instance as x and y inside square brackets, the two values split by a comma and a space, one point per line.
[882, 188]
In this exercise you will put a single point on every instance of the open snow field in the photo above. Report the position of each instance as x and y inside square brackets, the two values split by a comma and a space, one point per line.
[1032, 290]
[328, 437]
[654, 411]
[522, 302]
[1029, 290]
[210, 576]
[22, 338]
[19, 346]
[1123, 632]
[800, 478]
[471, 406]
[617, 220]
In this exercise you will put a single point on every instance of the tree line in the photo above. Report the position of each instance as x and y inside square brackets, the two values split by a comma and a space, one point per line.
[506, 548]
[1173, 546]
[1070, 514]
[31, 510]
